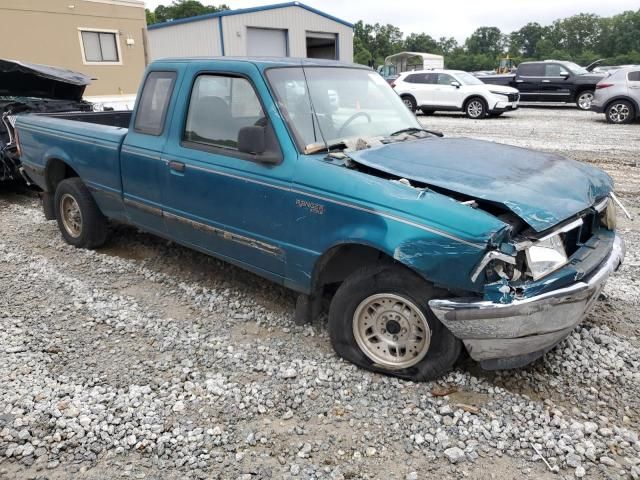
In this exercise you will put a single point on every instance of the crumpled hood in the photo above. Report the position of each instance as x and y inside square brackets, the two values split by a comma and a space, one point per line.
[542, 189]
[23, 79]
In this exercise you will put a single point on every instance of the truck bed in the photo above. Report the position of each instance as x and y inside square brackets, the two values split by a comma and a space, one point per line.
[90, 141]
[119, 119]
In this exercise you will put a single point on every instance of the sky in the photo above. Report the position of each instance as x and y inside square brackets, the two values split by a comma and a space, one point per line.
[453, 18]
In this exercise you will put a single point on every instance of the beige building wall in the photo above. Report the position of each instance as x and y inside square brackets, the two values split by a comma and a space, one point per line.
[48, 32]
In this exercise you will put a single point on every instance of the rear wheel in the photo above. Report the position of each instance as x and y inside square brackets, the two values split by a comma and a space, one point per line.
[475, 108]
[584, 100]
[620, 112]
[379, 319]
[409, 102]
[80, 221]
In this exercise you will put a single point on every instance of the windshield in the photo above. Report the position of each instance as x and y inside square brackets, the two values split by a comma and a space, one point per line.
[575, 68]
[348, 102]
[468, 79]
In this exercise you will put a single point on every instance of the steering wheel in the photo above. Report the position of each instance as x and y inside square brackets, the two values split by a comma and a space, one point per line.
[351, 119]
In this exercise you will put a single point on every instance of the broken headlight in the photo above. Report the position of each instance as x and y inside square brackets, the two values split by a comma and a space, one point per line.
[546, 256]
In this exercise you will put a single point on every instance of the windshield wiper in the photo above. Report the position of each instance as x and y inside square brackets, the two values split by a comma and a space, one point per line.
[414, 129]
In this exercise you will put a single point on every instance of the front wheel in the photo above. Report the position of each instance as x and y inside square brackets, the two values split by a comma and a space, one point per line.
[379, 319]
[584, 100]
[80, 221]
[620, 112]
[476, 108]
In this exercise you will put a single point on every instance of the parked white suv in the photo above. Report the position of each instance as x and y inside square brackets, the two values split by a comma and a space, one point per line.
[454, 90]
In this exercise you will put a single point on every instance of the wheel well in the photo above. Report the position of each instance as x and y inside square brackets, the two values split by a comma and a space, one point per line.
[341, 261]
[626, 99]
[57, 171]
[467, 100]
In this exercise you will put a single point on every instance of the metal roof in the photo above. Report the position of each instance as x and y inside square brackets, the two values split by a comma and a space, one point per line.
[241, 11]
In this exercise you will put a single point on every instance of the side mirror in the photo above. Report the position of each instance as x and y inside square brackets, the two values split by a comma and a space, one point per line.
[455, 84]
[252, 140]
[565, 75]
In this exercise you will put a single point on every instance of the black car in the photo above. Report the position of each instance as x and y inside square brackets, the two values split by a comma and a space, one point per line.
[28, 87]
[550, 81]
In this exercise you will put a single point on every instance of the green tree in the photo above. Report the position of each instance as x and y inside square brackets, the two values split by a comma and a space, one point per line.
[151, 16]
[525, 41]
[420, 42]
[446, 46]
[182, 9]
[486, 41]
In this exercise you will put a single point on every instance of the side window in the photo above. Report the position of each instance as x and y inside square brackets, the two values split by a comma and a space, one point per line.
[445, 79]
[152, 108]
[531, 69]
[634, 76]
[555, 70]
[219, 107]
[418, 78]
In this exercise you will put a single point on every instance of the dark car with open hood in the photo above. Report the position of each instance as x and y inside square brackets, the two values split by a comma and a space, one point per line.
[27, 87]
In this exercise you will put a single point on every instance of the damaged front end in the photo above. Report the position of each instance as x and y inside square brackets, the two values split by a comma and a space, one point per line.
[538, 287]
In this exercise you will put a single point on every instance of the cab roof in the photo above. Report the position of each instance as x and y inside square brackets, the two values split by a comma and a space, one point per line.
[263, 62]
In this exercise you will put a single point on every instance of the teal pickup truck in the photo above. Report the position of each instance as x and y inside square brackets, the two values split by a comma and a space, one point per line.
[314, 175]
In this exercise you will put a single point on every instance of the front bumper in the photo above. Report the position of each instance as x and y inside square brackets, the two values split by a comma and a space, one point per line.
[504, 107]
[514, 334]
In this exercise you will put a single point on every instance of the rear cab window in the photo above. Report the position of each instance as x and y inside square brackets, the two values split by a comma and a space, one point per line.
[531, 70]
[151, 112]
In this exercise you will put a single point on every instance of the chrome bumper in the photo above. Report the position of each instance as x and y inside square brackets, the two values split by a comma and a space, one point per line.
[526, 328]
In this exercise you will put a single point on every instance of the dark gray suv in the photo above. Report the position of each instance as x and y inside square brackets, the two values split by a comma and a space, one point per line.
[618, 96]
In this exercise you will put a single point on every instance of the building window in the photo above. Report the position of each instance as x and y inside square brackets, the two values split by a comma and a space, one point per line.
[100, 46]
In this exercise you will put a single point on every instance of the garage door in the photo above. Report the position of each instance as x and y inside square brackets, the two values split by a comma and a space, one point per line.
[266, 42]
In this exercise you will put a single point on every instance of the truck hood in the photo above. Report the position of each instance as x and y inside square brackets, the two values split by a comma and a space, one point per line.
[542, 189]
[22, 79]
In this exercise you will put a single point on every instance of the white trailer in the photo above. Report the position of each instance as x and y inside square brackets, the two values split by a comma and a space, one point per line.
[407, 61]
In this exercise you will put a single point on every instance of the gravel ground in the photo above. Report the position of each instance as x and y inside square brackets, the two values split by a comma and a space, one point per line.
[148, 360]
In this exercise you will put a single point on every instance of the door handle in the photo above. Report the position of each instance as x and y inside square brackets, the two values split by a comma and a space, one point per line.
[634, 86]
[546, 81]
[177, 166]
[519, 81]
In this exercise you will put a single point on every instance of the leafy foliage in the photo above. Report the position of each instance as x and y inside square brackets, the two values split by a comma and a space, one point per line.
[582, 38]
[181, 9]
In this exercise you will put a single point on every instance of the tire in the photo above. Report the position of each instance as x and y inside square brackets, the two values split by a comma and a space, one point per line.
[475, 108]
[427, 112]
[80, 221]
[409, 102]
[584, 99]
[620, 112]
[394, 286]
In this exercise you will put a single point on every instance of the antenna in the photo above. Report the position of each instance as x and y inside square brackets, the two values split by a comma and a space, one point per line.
[314, 118]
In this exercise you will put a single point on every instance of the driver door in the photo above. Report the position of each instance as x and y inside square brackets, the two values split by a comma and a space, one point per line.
[217, 198]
